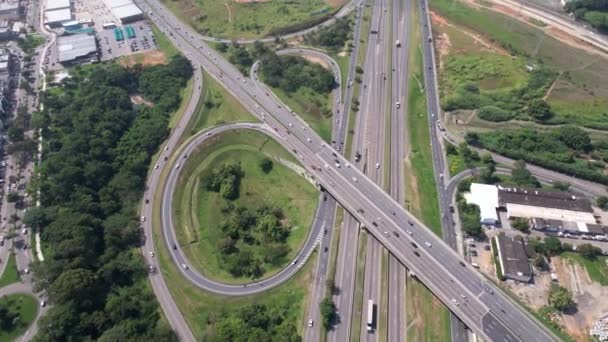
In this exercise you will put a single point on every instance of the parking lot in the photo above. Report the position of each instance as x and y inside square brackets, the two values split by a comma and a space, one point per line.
[113, 42]
[111, 48]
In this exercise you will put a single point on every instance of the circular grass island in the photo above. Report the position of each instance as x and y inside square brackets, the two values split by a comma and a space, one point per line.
[251, 19]
[241, 209]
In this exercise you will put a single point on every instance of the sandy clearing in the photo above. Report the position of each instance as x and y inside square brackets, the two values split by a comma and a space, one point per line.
[316, 60]
[145, 58]
[139, 100]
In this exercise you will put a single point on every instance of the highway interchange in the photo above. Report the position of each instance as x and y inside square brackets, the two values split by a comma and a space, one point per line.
[476, 301]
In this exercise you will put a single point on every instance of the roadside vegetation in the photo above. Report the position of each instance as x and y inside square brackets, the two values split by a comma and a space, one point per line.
[567, 149]
[11, 273]
[304, 86]
[333, 38]
[520, 68]
[17, 312]
[96, 152]
[30, 42]
[218, 107]
[595, 12]
[430, 318]
[243, 214]
[252, 19]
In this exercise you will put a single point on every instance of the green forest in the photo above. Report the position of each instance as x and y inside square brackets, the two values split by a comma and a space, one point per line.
[292, 72]
[96, 153]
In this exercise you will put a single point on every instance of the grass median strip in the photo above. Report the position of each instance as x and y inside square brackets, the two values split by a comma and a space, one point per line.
[355, 327]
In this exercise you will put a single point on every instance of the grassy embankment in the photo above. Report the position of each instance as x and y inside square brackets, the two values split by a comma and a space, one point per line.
[597, 269]
[580, 93]
[355, 327]
[427, 318]
[198, 213]
[27, 306]
[249, 20]
[11, 273]
[363, 40]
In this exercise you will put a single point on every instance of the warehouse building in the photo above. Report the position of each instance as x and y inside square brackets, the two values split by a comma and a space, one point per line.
[57, 4]
[513, 258]
[486, 198]
[77, 49]
[54, 18]
[125, 11]
[10, 10]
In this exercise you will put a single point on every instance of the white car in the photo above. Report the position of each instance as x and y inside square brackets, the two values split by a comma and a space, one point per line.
[184, 266]
[152, 254]
[308, 139]
[156, 167]
[177, 166]
[409, 232]
[428, 244]
[355, 179]
[338, 165]
[143, 219]
[377, 166]
[311, 323]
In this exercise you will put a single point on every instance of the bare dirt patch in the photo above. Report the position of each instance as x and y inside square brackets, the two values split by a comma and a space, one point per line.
[316, 60]
[139, 100]
[145, 58]
[229, 12]
[586, 293]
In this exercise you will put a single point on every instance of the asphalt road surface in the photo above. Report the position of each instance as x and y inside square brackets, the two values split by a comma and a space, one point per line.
[486, 310]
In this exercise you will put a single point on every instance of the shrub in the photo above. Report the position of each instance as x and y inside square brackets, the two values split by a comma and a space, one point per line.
[495, 114]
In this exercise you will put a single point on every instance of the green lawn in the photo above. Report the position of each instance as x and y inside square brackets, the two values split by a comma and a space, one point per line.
[597, 269]
[428, 317]
[164, 44]
[198, 212]
[218, 107]
[311, 106]
[580, 95]
[28, 308]
[249, 20]
[11, 274]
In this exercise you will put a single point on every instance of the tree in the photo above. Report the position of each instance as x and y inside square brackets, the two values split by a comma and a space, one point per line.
[9, 316]
[266, 165]
[574, 137]
[521, 224]
[539, 110]
[538, 261]
[563, 186]
[12, 197]
[552, 246]
[589, 251]
[602, 202]
[328, 311]
[560, 298]
[522, 176]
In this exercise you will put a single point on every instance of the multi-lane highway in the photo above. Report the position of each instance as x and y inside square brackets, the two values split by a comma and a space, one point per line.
[475, 300]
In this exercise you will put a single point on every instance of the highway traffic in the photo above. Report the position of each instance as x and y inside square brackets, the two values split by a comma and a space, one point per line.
[476, 301]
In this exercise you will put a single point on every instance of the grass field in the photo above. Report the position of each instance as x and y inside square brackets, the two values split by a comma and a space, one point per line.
[198, 212]
[311, 106]
[249, 19]
[218, 107]
[580, 93]
[11, 274]
[164, 44]
[427, 318]
[597, 269]
[28, 308]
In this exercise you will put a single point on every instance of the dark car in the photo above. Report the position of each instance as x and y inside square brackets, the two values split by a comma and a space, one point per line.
[414, 244]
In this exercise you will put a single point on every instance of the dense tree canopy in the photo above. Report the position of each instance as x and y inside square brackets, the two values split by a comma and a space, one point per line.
[97, 150]
[333, 37]
[560, 298]
[292, 72]
[595, 12]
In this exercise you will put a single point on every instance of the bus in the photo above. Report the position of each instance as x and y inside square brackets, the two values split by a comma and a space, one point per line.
[370, 315]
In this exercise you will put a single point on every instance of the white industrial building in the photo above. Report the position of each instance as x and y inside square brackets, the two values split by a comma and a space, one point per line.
[57, 4]
[54, 18]
[10, 10]
[78, 48]
[556, 211]
[486, 198]
[125, 11]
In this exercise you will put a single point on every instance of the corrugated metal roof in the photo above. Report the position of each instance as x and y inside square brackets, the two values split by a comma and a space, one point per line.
[57, 16]
[72, 47]
[56, 4]
[126, 11]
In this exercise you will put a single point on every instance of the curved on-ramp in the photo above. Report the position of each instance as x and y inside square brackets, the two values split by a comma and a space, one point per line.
[167, 227]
